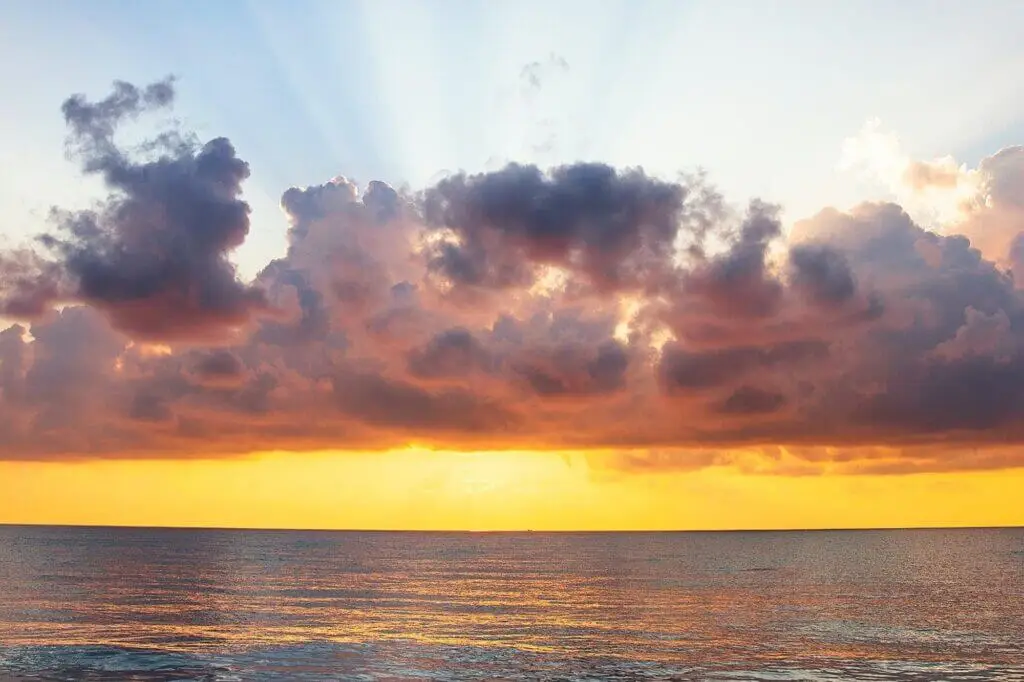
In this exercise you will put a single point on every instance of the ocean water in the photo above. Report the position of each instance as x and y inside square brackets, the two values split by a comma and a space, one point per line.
[148, 604]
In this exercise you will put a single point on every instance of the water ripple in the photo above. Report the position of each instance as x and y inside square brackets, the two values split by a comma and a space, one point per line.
[106, 604]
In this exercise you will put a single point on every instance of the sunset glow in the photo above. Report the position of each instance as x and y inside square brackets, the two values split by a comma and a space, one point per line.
[418, 490]
[574, 283]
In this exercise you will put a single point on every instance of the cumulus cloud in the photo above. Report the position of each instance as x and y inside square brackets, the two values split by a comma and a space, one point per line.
[985, 203]
[154, 255]
[613, 229]
[993, 218]
[582, 307]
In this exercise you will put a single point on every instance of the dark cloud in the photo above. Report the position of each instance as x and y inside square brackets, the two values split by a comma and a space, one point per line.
[976, 393]
[582, 307]
[683, 370]
[154, 255]
[218, 366]
[547, 357]
[452, 353]
[311, 324]
[97, 121]
[574, 370]
[822, 274]
[381, 402]
[14, 355]
[738, 282]
[1016, 257]
[750, 400]
[615, 229]
[305, 205]
[383, 201]
[607, 371]
[150, 407]
[28, 284]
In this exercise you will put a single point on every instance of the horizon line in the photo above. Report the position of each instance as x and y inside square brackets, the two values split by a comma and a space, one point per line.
[507, 531]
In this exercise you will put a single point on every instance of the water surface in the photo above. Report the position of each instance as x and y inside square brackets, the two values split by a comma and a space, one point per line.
[163, 604]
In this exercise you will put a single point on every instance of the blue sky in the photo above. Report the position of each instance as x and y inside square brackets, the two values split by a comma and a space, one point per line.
[762, 94]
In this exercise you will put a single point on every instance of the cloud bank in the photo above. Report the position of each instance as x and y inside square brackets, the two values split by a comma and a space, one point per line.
[581, 307]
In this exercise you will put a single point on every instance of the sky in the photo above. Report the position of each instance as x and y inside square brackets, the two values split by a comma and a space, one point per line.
[464, 265]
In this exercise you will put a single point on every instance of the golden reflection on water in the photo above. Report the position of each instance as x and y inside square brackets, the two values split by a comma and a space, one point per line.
[721, 599]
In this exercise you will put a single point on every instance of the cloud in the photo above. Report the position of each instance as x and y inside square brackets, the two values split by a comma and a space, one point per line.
[748, 400]
[922, 175]
[582, 307]
[218, 367]
[993, 218]
[153, 255]
[822, 274]
[452, 353]
[615, 229]
[684, 371]
[985, 203]
[29, 284]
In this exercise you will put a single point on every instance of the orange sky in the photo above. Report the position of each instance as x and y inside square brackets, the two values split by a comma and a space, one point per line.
[413, 489]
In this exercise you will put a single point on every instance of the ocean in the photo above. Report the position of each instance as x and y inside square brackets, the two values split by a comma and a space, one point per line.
[175, 604]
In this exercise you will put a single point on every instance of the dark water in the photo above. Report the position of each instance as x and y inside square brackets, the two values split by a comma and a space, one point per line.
[107, 604]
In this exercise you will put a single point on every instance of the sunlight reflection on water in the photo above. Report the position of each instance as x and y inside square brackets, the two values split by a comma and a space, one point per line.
[220, 605]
